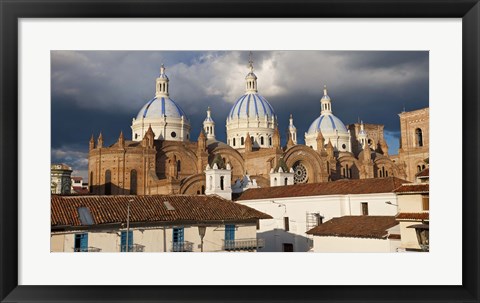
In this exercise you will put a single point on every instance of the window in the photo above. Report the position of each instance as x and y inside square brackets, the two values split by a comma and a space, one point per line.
[136, 136]
[261, 141]
[133, 182]
[287, 247]
[203, 190]
[179, 166]
[210, 185]
[419, 137]
[274, 181]
[258, 224]
[270, 141]
[81, 242]
[364, 208]
[173, 134]
[286, 181]
[251, 139]
[286, 224]
[229, 236]
[178, 239]
[344, 146]
[108, 182]
[419, 168]
[222, 182]
[242, 141]
[233, 141]
[123, 241]
[425, 202]
[319, 219]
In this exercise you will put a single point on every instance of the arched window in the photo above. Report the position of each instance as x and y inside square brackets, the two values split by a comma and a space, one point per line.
[203, 190]
[210, 183]
[423, 167]
[179, 166]
[419, 168]
[222, 182]
[251, 139]
[90, 181]
[233, 141]
[419, 137]
[133, 182]
[108, 182]
[242, 141]
[270, 141]
[261, 141]
[274, 181]
[386, 173]
[286, 181]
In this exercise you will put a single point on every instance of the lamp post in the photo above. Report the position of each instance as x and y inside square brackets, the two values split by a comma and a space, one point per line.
[128, 224]
[201, 231]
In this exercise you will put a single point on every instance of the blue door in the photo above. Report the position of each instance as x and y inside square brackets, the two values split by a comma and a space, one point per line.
[178, 239]
[123, 241]
[81, 242]
[229, 236]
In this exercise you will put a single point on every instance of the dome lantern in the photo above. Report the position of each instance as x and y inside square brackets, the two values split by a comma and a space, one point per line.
[162, 84]
[326, 102]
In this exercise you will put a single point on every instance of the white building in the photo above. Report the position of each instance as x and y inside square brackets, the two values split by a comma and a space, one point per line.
[357, 234]
[251, 114]
[165, 116]
[331, 127]
[163, 223]
[298, 208]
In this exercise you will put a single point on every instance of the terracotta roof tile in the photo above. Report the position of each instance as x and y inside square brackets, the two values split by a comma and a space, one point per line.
[340, 187]
[355, 227]
[413, 216]
[113, 209]
[424, 173]
[414, 188]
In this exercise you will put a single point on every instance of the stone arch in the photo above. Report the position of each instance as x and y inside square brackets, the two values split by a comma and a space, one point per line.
[231, 156]
[311, 161]
[193, 185]
[348, 167]
[385, 167]
[188, 161]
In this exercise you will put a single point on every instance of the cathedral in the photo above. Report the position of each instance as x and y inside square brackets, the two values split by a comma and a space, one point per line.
[163, 158]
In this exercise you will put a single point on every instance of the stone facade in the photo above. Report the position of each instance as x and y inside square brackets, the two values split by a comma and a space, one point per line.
[413, 153]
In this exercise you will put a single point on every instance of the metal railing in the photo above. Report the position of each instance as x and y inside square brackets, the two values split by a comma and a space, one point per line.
[243, 244]
[87, 249]
[182, 246]
[133, 248]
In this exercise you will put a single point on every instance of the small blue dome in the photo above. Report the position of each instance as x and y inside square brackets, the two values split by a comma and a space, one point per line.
[159, 107]
[327, 123]
[251, 105]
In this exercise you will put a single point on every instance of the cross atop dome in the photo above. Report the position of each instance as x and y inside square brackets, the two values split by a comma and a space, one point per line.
[326, 102]
[251, 85]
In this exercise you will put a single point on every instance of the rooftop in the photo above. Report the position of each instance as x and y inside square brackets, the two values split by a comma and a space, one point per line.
[424, 173]
[340, 187]
[413, 216]
[413, 188]
[355, 227]
[149, 209]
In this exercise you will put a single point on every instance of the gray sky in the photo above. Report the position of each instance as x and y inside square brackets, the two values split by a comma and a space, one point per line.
[95, 91]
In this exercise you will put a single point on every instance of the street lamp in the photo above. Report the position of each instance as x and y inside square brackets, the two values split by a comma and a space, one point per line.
[422, 231]
[201, 231]
[128, 224]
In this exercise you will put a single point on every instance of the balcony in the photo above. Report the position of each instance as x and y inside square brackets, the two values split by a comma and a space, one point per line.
[243, 244]
[133, 248]
[182, 246]
[87, 249]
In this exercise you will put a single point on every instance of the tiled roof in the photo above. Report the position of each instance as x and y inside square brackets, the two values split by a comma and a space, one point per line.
[355, 227]
[413, 216]
[340, 187]
[77, 178]
[415, 188]
[149, 209]
[424, 173]
[80, 190]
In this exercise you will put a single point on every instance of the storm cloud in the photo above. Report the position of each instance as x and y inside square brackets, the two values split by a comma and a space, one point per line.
[101, 91]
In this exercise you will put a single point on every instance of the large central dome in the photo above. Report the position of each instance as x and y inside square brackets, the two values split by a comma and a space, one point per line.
[251, 115]
[167, 119]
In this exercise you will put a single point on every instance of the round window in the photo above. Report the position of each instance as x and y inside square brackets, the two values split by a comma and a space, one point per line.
[344, 146]
[173, 134]
[300, 173]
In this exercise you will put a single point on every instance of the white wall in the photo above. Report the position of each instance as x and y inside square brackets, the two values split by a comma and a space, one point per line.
[153, 238]
[296, 209]
[344, 244]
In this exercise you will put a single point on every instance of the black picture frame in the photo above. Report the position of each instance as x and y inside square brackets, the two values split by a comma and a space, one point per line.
[11, 11]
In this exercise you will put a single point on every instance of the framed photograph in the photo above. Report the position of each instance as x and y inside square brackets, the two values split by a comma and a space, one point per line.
[238, 133]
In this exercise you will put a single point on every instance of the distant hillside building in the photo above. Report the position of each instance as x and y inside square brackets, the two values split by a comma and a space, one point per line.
[60, 179]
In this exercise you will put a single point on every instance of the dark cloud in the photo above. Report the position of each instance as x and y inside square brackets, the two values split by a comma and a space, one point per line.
[95, 91]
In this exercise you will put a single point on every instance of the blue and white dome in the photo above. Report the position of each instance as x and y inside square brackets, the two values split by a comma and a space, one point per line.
[251, 116]
[166, 118]
[159, 107]
[251, 105]
[327, 123]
